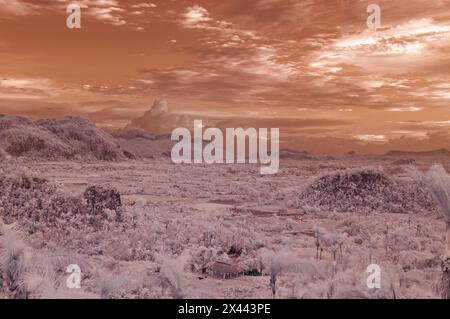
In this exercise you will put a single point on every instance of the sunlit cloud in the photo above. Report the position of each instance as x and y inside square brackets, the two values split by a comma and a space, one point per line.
[404, 109]
[371, 137]
[196, 17]
[27, 88]
[144, 5]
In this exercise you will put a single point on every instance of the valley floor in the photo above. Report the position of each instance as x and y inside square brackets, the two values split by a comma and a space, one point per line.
[222, 231]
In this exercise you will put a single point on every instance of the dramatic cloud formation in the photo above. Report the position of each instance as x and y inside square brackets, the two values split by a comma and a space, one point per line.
[160, 119]
[312, 67]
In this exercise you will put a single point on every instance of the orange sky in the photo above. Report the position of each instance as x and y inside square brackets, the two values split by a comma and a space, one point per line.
[310, 67]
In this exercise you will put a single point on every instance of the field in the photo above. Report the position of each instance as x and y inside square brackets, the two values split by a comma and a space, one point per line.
[220, 231]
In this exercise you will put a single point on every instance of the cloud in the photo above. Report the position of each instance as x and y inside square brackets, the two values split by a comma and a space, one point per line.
[340, 145]
[196, 17]
[371, 137]
[144, 5]
[17, 7]
[108, 14]
[109, 11]
[313, 61]
[390, 50]
[159, 119]
[26, 88]
[404, 109]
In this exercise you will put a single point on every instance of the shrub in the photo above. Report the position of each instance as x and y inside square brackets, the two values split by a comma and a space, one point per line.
[365, 190]
[99, 198]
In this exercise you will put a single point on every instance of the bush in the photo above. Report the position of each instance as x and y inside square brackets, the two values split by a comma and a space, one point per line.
[99, 199]
[39, 206]
[366, 190]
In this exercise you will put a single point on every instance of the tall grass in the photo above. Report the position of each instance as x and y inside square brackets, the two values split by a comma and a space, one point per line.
[438, 181]
[12, 262]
